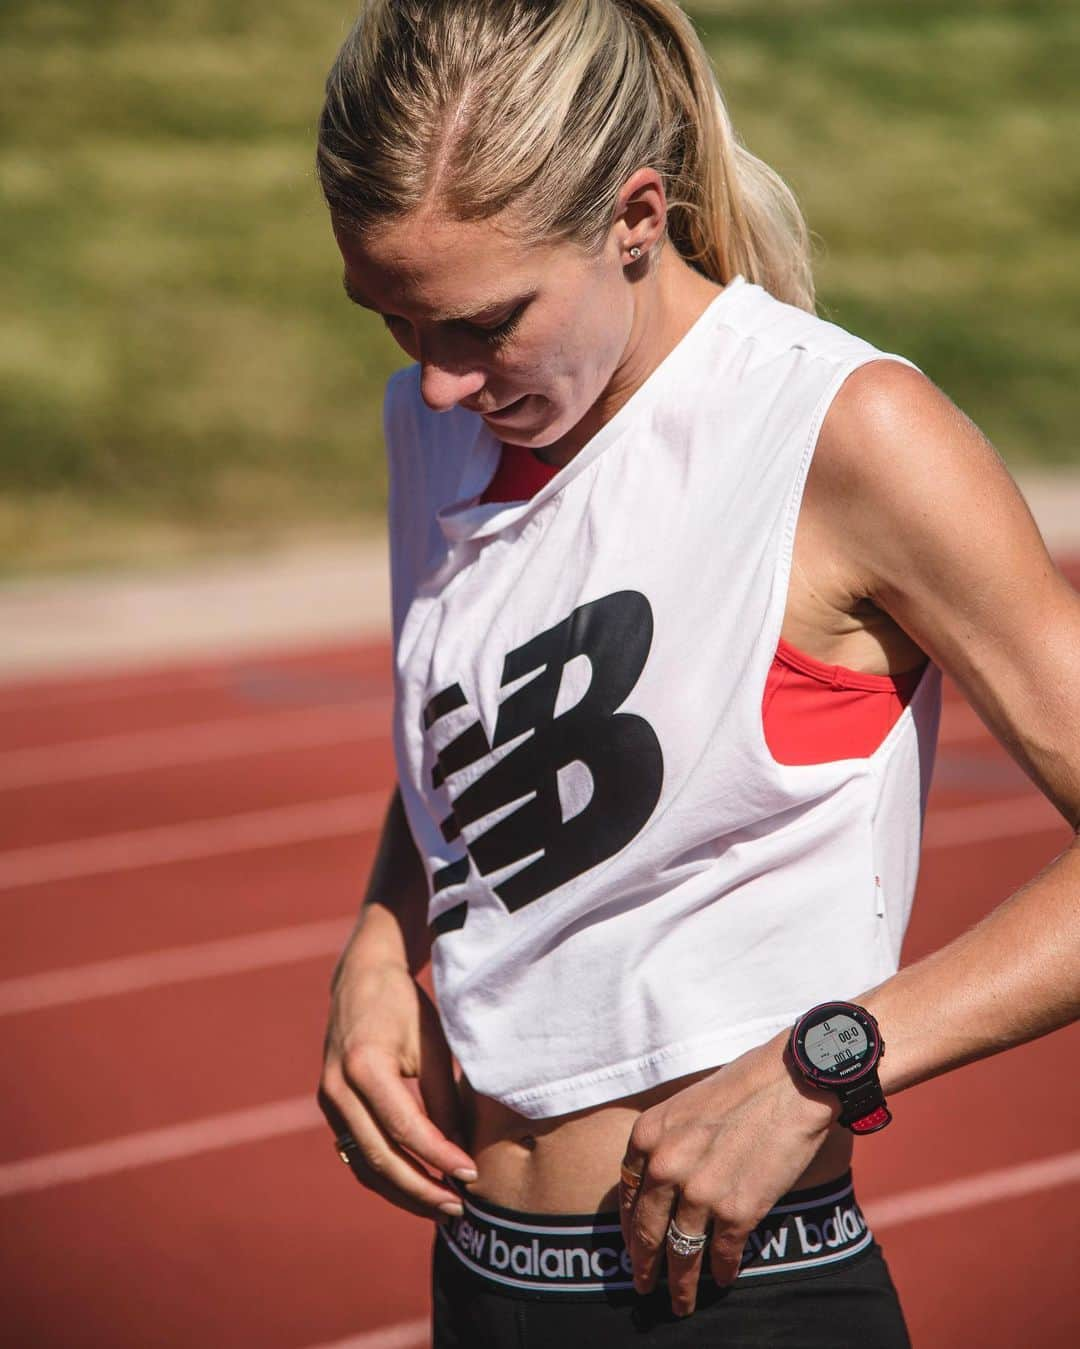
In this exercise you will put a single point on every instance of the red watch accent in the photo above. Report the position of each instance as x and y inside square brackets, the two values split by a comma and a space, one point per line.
[870, 1124]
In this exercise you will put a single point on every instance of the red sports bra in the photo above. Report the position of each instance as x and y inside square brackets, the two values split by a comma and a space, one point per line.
[812, 712]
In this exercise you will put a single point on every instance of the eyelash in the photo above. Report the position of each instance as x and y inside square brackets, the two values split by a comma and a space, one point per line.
[494, 336]
[504, 331]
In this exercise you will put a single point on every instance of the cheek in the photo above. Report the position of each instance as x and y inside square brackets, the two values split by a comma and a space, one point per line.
[576, 361]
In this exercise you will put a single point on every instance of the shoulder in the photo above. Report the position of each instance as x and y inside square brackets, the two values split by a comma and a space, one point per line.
[939, 537]
[932, 529]
[905, 476]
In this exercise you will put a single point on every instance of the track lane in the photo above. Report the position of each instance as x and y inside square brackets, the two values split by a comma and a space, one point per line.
[92, 757]
[149, 1079]
[64, 813]
[205, 1260]
[165, 1056]
[997, 1277]
[266, 1246]
[60, 709]
[96, 918]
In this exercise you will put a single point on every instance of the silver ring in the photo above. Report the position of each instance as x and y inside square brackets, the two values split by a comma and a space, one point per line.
[345, 1143]
[685, 1243]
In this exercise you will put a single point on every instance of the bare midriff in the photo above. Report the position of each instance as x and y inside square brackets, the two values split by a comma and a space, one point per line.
[570, 1163]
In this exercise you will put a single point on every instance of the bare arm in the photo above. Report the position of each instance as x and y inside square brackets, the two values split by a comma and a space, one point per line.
[383, 1033]
[392, 926]
[939, 537]
[933, 531]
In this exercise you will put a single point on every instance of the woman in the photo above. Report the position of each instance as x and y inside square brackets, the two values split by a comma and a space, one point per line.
[675, 567]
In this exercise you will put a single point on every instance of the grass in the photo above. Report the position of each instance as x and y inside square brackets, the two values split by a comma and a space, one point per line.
[179, 372]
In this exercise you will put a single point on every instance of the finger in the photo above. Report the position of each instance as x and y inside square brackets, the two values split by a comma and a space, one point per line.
[726, 1249]
[438, 1092]
[684, 1270]
[381, 1166]
[393, 1175]
[631, 1172]
[648, 1229]
[442, 1102]
[393, 1194]
[375, 1078]
[629, 1185]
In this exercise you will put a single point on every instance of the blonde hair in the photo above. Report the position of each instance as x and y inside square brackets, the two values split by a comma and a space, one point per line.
[548, 106]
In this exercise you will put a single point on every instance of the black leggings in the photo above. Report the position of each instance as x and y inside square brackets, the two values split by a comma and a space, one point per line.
[831, 1289]
[852, 1306]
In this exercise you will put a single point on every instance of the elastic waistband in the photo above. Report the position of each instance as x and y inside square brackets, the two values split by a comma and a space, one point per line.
[564, 1256]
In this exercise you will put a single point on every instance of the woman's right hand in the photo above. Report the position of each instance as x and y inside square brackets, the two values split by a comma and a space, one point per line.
[384, 1030]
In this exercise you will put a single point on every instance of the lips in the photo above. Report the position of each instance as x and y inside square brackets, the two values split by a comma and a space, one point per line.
[507, 408]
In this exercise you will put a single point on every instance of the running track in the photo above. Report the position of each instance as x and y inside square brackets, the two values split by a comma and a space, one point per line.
[182, 850]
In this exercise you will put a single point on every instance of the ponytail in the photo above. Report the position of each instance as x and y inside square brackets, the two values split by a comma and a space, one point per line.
[728, 211]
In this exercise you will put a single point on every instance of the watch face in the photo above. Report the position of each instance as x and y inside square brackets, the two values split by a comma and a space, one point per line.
[835, 1045]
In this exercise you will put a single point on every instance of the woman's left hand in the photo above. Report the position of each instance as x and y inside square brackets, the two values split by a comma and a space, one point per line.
[720, 1153]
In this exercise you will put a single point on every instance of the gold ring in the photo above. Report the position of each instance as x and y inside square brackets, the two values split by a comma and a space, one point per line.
[345, 1143]
[631, 1179]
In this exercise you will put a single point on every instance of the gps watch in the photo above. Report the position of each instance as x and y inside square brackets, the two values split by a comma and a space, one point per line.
[836, 1046]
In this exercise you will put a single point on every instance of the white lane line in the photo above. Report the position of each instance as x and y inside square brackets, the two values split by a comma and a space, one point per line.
[53, 988]
[1014, 817]
[404, 1335]
[173, 965]
[344, 815]
[305, 941]
[228, 737]
[199, 742]
[336, 659]
[299, 1114]
[296, 1115]
[338, 817]
[1010, 1182]
[222, 738]
[59, 691]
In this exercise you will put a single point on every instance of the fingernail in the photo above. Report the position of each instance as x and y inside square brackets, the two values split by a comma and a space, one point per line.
[464, 1173]
[452, 1210]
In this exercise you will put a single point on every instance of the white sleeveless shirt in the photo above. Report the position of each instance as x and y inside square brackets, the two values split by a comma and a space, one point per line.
[626, 886]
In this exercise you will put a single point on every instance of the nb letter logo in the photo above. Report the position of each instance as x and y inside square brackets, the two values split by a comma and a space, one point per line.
[620, 750]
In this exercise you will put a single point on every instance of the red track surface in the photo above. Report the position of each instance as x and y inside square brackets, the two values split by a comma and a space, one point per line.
[247, 1232]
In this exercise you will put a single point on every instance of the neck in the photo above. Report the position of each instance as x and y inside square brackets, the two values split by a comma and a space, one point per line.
[670, 301]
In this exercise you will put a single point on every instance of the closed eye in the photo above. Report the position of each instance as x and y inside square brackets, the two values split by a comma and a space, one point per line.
[493, 334]
[498, 332]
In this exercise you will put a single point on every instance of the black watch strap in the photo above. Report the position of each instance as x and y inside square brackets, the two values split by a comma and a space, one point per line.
[863, 1109]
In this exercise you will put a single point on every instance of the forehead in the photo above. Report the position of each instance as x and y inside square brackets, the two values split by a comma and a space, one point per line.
[432, 265]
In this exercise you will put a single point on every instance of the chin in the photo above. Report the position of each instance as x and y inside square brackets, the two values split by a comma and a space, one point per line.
[539, 437]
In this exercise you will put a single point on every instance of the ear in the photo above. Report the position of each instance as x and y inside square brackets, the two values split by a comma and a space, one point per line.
[640, 214]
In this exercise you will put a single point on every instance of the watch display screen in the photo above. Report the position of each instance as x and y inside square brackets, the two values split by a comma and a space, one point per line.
[835, 1043]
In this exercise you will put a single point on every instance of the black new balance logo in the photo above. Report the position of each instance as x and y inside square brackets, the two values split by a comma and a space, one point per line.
[619, 750]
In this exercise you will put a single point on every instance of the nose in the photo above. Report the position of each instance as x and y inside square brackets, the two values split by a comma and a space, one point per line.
[443, 389]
